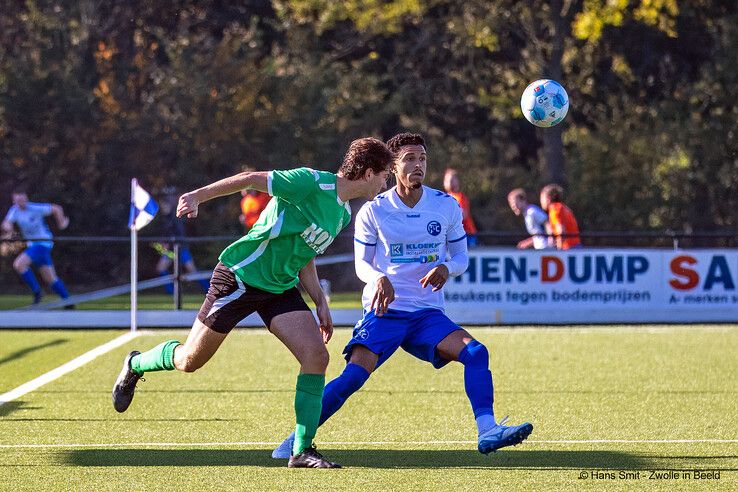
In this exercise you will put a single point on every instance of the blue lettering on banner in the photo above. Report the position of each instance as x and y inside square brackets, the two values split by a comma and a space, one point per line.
[579, 269]
[608, 274]
[719, 272]
[636, 265]
[580, 278]
[490, 266]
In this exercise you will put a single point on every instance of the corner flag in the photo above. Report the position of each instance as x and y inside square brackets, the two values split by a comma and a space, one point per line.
[143, 207]
[143, 210]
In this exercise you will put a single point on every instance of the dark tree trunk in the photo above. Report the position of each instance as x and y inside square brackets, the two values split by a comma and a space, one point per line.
[553, 147]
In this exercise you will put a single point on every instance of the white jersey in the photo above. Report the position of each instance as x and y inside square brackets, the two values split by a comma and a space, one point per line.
[408, 243]
[31, 222]
[535, 223]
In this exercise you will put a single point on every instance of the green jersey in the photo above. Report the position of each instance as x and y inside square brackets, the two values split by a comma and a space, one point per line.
[301, 220]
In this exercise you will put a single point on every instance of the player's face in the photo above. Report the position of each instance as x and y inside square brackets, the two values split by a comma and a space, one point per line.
[545, 202]
[451, 182]
[20, 199]
[375, 183]
[515, 205]
[410, 166]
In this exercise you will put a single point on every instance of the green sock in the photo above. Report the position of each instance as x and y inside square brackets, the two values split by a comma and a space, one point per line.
[159, 358]
[308, 404]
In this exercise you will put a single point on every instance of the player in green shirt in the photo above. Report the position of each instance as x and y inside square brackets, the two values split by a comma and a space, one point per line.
[259, 272]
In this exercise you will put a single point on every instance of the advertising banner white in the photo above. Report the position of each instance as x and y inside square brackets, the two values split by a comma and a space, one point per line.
[595, 286]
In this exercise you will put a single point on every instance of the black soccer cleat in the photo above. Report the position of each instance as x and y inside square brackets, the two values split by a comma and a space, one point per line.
[310, 458]
[125, 385]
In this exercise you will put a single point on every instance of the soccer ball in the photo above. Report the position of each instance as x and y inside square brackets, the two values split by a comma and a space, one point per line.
[544, 103]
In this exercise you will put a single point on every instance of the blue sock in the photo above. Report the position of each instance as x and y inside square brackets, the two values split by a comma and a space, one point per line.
[30, 279]
[337, 391]
[478, 383]
[204, 284]
[59, 288]
[169, 288]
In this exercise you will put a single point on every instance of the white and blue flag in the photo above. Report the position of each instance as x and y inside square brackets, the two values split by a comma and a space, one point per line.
[143, 207]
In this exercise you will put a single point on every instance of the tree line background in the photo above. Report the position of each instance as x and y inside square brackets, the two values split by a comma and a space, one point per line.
[184, 92]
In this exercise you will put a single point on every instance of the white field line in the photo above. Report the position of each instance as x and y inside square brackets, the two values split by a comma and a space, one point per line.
[66, 368]
[358, 443]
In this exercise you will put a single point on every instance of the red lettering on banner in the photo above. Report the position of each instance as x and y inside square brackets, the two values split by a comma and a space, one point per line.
[678, 268]
[546, 276]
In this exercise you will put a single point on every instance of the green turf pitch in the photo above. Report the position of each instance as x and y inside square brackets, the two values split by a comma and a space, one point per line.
[409, 428]
[339, 300]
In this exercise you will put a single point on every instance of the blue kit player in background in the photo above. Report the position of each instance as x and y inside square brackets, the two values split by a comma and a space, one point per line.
[408, 242]
[173, 226]
[29, 217]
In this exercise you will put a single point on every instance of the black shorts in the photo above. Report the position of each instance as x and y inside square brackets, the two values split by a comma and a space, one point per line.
[229, 300]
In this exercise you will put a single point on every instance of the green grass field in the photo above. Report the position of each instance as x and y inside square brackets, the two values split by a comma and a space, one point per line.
[339, 300]
[409, 428]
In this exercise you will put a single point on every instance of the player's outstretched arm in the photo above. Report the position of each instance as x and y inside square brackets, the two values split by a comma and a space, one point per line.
[310, 282]
[189, 202]
[526, 243]
[62, 221]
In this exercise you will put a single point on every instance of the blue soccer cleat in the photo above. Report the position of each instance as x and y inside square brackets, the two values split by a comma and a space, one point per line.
[501, 436]
[284, 450]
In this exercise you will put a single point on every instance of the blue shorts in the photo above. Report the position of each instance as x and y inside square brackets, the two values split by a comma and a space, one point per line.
[40, 255]
[417, 332]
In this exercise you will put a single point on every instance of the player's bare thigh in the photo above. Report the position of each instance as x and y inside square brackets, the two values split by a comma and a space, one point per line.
[21, 263]
[450, 347]
[201, 345]
[299, 332]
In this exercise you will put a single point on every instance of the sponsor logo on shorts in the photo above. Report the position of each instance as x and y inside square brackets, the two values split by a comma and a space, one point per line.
[362, 334]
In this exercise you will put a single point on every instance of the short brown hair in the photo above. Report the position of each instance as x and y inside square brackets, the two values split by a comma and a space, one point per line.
[365, 153]
[554, 192]
[517, 193]
[401, 139]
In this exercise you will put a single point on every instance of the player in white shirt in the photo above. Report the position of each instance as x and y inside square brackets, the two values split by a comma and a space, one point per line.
[408, 242]
[536, 220]
[29, 217]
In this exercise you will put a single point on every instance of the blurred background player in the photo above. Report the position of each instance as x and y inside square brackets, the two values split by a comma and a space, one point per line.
[252, 204]
[29, 217]
[407, 243]
[259, 273]
[536, 220]
[173, 226]
[452, 185]
[563, 225]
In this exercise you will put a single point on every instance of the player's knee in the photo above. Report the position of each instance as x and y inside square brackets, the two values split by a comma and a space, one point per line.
[20, 265]
[475, 355]
[316, 358]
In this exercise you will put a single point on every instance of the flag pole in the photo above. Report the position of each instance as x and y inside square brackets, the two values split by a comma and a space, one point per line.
[134, 266]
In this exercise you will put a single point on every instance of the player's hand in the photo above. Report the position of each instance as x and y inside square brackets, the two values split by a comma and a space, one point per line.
[436, 278]
[187, 206]
[326, 321]
[383, 296]
[63, 223]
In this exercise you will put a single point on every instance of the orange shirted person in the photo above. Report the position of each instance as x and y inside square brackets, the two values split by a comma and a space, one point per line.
[452, 186]
[563, 224]
[252, 203]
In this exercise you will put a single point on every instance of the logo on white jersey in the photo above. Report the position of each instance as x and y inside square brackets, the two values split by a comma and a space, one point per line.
[317, 238]
[434, 228]
[396, 249]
